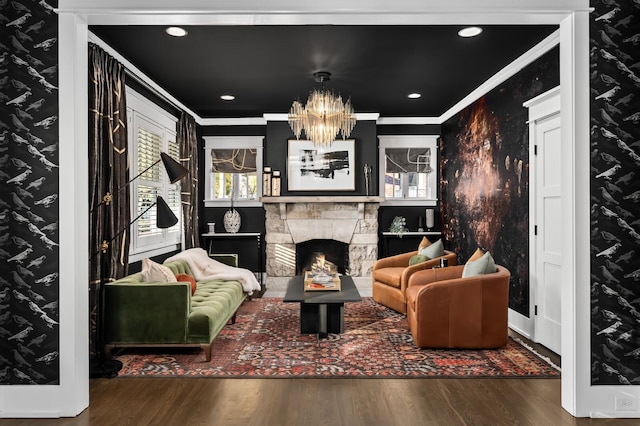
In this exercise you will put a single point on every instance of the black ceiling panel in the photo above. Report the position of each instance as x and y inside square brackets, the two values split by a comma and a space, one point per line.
[266, 67]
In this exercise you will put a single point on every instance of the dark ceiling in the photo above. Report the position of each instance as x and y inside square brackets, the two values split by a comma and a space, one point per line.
[266, 67]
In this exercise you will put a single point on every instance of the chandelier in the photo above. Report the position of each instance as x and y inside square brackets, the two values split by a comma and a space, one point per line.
[323, 116]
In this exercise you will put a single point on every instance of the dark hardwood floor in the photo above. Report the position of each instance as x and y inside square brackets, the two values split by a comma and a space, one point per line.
[246, 402]
[310, 402]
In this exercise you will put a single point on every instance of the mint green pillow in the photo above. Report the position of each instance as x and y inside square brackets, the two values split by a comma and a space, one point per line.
[434, 250]
[484, 265]
[418, 258]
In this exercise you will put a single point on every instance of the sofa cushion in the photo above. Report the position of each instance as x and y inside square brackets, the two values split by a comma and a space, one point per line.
[433, 250]
[390, 276]
[212, 305]
[155, 272]
[484, 265]
[418, 258]
[188, 279]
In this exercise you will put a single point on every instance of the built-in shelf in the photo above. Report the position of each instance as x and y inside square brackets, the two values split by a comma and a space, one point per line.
[392, 243]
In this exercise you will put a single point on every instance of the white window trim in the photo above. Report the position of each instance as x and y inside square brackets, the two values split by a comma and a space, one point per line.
[232, 142]
[140, 107]
[409, 141]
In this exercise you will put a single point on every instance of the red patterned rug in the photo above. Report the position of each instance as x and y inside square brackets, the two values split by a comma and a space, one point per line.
[265, 342]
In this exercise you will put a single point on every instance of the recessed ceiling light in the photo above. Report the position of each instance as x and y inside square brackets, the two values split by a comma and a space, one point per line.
[414, 95]
[176, 31]
[469, 31]
[227, 97]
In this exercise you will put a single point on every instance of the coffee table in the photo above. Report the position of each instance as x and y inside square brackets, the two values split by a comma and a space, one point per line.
[321, 312]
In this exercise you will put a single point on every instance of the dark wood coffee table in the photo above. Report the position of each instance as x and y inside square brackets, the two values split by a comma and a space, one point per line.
[322, 312]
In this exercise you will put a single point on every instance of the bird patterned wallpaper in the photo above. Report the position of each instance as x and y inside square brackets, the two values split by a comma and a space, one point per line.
[29, 288]
[615, 192]
[485, 174]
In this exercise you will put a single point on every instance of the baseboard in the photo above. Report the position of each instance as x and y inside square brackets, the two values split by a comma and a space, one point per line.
[521, 324]
[614, 414]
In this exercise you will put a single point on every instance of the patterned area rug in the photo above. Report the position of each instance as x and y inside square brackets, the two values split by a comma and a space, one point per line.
[265, 342]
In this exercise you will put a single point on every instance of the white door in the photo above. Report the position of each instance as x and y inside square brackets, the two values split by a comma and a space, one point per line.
[548, 234]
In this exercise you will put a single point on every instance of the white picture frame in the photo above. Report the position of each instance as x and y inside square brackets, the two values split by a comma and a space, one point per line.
[310, 168]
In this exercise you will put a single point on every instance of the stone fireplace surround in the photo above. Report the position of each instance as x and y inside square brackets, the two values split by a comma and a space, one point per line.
[291, 220]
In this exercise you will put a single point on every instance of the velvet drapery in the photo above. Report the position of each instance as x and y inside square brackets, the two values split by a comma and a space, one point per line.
[188, 141]
[108, 174]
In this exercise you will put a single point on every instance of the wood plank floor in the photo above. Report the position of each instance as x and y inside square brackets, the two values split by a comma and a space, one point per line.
[310, 402]
[229, 402]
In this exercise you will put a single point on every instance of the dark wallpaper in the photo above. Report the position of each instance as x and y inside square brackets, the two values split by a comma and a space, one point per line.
[485, 175]
[615, 192]
[29, 287]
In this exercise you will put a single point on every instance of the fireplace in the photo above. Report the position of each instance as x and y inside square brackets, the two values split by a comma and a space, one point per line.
[335, 254]
[292, 221]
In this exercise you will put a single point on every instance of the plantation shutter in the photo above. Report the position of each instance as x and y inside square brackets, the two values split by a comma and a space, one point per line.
[149, 146]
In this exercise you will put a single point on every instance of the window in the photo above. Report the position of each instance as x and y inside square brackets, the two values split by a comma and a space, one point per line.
[410, 168]
[235, 165]
[151, 131]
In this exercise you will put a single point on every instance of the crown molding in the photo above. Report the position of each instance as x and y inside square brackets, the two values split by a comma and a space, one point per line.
[504, 74]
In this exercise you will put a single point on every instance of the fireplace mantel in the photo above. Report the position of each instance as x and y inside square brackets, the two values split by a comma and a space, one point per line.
[361, 200]
[322, 199]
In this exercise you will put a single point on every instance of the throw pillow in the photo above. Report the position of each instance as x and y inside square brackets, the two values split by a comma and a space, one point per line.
[476, 255]
[424, 243]
[155, 272]
[484, 265]
[418, 258]
[184, 278]
[433, 250]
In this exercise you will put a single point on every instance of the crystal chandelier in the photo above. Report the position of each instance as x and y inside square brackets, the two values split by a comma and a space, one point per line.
[323, 116]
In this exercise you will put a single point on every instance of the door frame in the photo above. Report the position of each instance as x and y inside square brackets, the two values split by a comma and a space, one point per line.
[541, 108]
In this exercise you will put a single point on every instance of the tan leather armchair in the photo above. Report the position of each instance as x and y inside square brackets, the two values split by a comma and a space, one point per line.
[391, 276]
[447, 311]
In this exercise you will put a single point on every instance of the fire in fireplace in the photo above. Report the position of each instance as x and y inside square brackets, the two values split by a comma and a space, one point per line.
[334, 254]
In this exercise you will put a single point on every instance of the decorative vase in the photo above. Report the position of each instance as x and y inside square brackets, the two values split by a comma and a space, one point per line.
[232, 220]
[430, 218]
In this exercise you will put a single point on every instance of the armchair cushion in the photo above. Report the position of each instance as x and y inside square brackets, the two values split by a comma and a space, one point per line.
[484, 265]
[390, 276]
[433, 250]
[418, 258]
[424, 243]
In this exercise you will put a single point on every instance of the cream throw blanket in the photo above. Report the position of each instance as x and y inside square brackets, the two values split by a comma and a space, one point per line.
[204, 268]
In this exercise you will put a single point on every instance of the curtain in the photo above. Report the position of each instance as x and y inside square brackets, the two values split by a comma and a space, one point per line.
[188, 142]
[108, 174]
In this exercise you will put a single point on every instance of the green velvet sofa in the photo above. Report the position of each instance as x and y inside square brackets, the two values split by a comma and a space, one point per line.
[157, 314]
